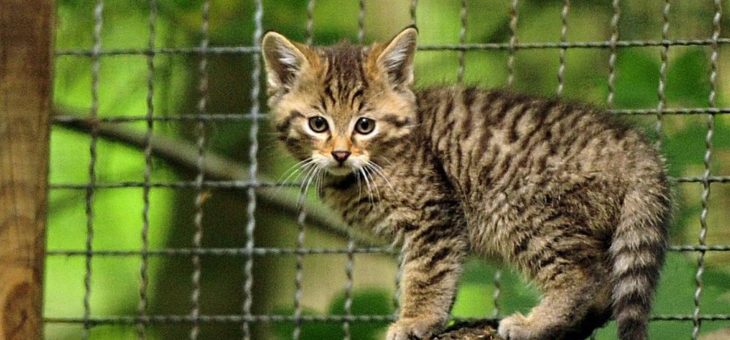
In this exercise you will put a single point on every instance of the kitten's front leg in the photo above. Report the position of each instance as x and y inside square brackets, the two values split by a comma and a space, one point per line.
[433, 258]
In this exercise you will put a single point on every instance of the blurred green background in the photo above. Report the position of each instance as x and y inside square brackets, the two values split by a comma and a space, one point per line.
[123, 90]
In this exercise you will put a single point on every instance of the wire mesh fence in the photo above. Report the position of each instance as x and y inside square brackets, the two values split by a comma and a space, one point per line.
[194, 132]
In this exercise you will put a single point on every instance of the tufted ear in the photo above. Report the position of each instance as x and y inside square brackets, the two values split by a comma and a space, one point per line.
[396, 58]
[284, 61]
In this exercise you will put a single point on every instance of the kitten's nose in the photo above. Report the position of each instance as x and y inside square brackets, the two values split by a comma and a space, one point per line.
[340, 156]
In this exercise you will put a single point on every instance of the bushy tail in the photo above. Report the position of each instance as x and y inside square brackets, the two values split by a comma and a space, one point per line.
[637, 250]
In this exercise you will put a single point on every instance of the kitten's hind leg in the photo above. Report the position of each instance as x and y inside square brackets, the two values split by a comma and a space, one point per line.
[562, 312]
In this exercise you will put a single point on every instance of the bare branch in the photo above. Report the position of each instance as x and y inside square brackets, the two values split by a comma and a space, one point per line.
[183, 155]
[477, 330]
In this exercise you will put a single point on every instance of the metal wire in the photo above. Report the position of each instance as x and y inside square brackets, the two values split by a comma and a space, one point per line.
[462, 41]
[297, 251]
[398, 278]
[513, 44]
[612, 57]
[143, 275]
[253, 167]
[221, 50]
[95, 65]
[272, 318]
[261, 184]
[200, 164]
[412, 11]
[662, 74]
[251, 252]
[563, 38]
[310, 22]
[707, 159]
[301, 218]
[235, 117]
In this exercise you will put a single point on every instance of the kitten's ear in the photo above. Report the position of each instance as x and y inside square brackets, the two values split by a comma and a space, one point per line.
[284, 60]
[396, 58]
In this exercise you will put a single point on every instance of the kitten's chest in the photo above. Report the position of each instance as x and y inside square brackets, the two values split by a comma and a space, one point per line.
[391, 201]
[366, 203]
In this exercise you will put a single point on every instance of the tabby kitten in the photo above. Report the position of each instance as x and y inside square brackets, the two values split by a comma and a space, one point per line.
[576, 201]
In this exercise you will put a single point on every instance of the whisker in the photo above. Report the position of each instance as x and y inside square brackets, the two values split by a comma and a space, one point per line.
[367, 183]
[296, 171]
[318, 183]
[304, 185]
[293, 169]
[298, 174]
[385, 159]
[311, 178]
[304, 169]
[380, 172]
[378, 194]
[359, 186]
[368, 170]
[373, 171]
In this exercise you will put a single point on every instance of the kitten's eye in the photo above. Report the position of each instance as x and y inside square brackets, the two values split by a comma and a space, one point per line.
[318, 124]
[365, 125]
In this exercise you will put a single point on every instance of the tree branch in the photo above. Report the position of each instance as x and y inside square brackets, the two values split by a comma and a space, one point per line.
[183, 155]
[478, 330]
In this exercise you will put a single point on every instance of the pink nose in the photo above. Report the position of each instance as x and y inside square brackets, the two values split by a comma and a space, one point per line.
[340, 156]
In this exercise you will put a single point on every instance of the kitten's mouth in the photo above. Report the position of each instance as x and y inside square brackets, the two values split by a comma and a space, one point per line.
[339, 170]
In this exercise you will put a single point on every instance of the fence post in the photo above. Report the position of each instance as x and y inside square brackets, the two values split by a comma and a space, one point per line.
[25, 95]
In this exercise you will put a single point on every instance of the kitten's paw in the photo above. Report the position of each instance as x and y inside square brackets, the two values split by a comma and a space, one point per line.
[515, 327]
[413, 328]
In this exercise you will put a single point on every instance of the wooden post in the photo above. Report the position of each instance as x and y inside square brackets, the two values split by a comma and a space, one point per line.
[25, 95]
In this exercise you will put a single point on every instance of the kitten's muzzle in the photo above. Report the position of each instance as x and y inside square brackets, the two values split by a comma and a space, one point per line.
[340, 156]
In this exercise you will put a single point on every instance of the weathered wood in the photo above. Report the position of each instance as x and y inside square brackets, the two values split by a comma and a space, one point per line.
[25, 82]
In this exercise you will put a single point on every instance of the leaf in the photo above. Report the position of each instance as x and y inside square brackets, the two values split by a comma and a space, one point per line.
[637, 79]
[687, 79]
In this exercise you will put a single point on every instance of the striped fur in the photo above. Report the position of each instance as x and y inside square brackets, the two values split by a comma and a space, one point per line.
[572, 198]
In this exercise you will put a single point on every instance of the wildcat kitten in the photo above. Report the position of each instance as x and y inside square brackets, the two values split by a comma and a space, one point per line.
[578, 202]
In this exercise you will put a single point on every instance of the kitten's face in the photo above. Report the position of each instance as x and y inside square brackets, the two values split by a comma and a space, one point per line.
[342, 107]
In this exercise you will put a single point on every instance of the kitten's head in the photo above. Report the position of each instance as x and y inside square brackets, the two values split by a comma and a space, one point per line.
[341, 106]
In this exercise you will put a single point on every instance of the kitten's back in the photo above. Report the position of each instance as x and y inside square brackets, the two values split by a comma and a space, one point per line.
[555, 188]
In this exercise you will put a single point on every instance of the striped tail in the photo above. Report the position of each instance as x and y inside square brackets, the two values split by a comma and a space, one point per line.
[637, 250]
